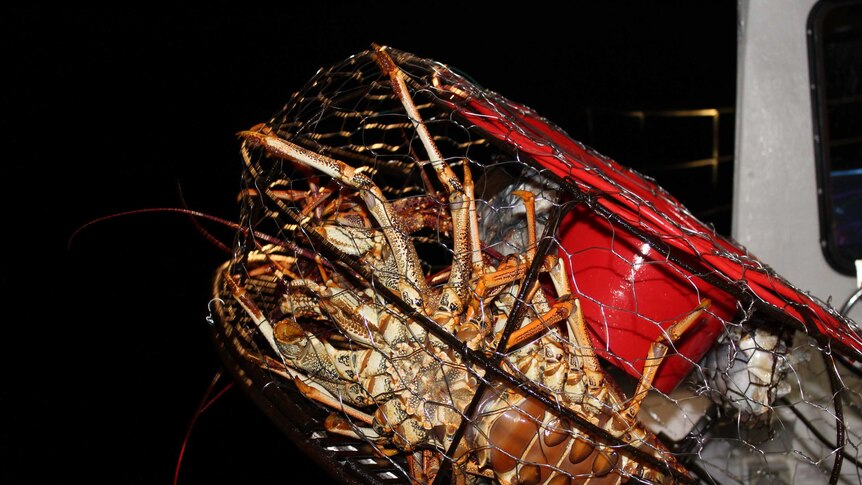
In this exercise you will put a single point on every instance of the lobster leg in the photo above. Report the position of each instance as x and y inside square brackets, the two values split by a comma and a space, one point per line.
[559, 311]
[257, 316]
[590, 363]
[354, 316]
[657, 353]
[460, 198]
[513, 270]
[530, 206]
[411, 285]
[324, 397]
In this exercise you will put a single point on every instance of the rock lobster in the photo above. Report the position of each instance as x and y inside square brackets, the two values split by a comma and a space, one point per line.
[401, 263]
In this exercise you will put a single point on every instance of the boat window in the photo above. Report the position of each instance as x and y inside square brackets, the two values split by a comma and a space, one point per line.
[835, 55]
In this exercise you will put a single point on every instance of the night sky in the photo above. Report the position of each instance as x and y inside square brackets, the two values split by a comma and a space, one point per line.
[107, 351]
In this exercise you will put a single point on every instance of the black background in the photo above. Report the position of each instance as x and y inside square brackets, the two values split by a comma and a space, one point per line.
[106, 350]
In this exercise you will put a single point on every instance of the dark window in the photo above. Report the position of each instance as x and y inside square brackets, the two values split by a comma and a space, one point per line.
[835, 55]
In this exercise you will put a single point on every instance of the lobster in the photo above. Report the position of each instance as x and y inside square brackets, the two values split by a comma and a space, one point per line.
[417, 254]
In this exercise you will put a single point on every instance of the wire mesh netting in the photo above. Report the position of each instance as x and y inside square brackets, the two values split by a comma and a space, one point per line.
[434, 283]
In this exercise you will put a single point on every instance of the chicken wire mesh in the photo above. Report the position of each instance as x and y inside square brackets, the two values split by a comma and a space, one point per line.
[434, 283]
